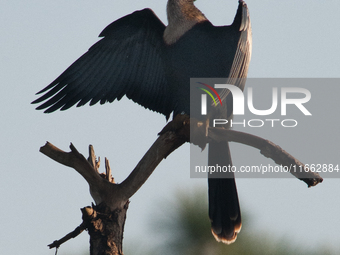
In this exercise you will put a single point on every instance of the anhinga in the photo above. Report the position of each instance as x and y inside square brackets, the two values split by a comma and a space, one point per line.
[152, 64]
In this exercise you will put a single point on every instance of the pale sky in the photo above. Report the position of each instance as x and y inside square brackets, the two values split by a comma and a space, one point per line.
[41, 198]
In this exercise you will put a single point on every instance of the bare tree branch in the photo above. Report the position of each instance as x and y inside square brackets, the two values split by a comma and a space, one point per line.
[70, 235]
[171, 137]
[162, 147]
[269, 150]
[112, 199]
[102, 189]
[72, 159]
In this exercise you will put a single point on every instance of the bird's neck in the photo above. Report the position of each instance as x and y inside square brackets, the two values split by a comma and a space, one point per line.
[182, 16]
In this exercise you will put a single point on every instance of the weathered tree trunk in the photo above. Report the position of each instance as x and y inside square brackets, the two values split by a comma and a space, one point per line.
[105, 228]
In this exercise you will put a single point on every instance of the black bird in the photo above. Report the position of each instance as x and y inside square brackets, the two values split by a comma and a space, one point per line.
[152, 64]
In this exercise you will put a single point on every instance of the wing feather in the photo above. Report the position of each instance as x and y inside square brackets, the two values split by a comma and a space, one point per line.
[126, 61]
[239, 69]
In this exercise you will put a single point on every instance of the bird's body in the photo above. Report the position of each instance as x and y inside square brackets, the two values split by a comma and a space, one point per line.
[152, 64]
[185, 63]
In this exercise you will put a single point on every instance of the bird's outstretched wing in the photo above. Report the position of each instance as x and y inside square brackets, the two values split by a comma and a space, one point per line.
[127, 61]
[239, 69]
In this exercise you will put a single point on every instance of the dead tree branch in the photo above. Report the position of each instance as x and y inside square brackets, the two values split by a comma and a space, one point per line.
[102, 189]
[269, 150]
[70, 235]
[112, 199]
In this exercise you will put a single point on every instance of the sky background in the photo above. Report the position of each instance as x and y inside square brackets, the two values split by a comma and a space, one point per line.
[40, 199]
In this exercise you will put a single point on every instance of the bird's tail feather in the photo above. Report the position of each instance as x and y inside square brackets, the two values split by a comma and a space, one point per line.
[224, 209]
